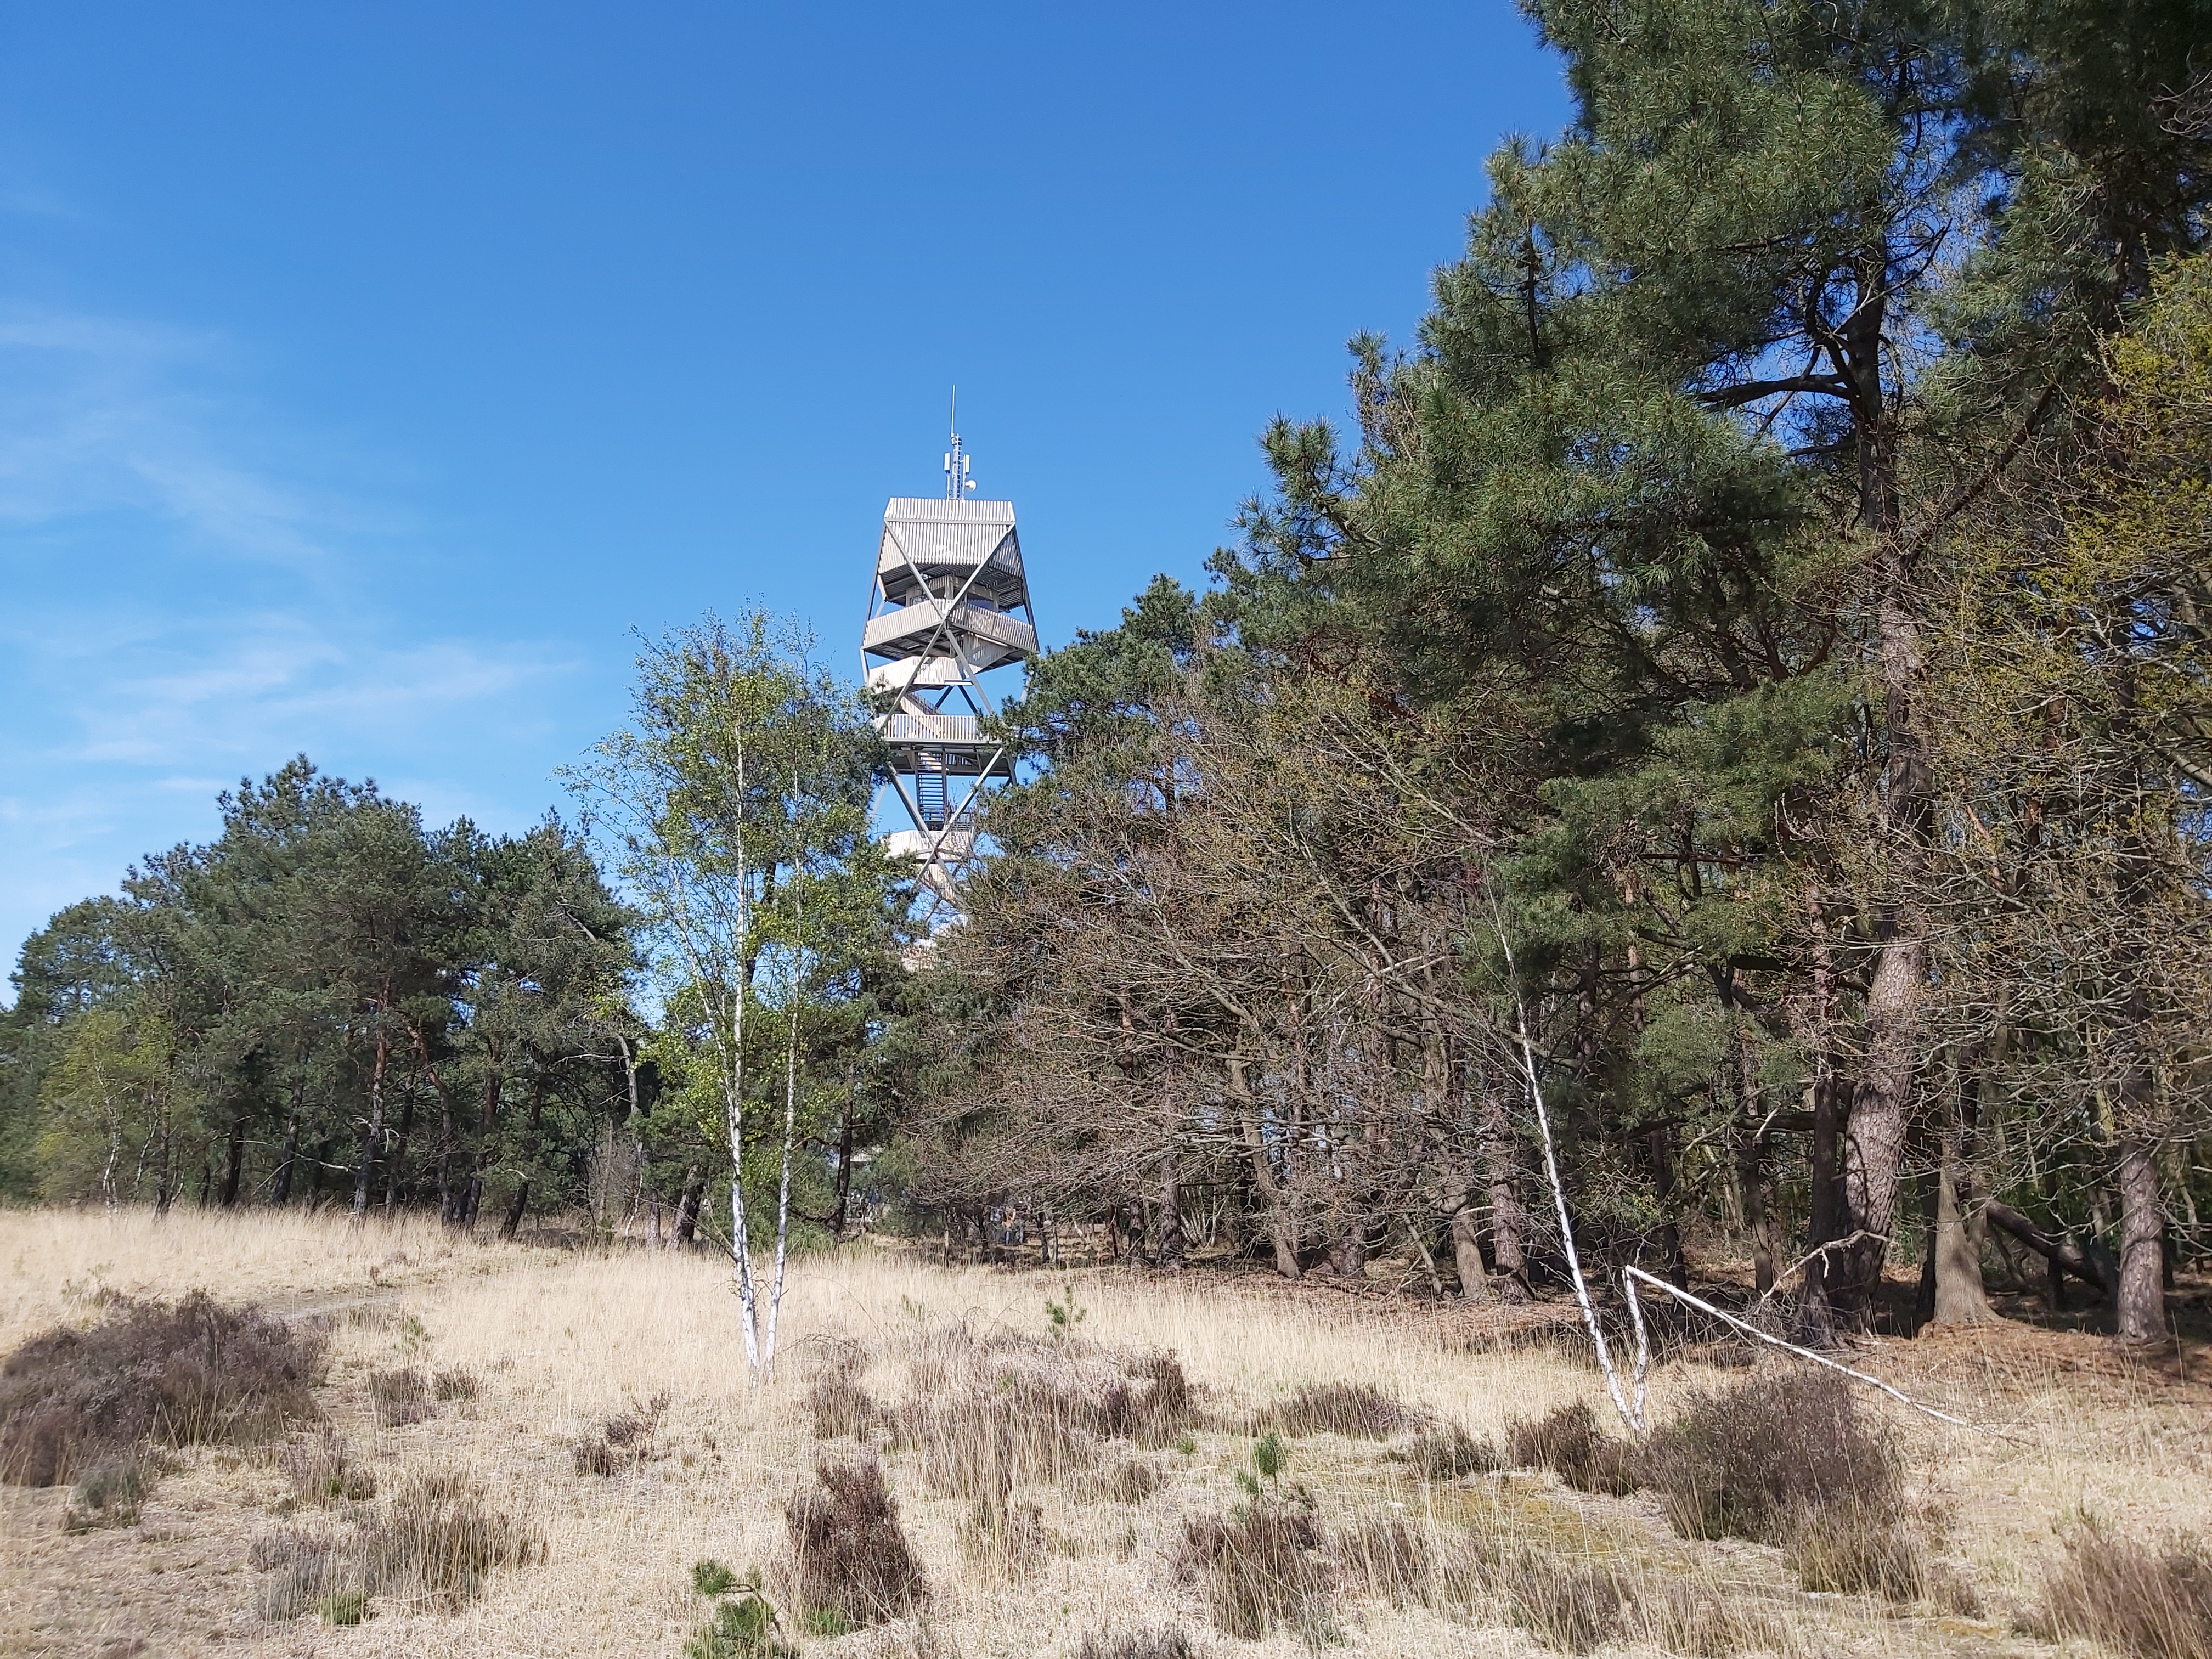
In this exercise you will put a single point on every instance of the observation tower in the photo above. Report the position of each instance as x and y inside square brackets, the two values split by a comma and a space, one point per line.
[949, 605]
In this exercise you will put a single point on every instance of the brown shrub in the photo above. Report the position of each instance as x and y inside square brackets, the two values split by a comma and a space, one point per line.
[1745, 1460]
[456, 1385]
[850, 1555]
[1448, 1452]
[1140, 1642]
[322, 1471]
[1787, 1458]
[1258, 1567]
[627, 1439]
[1357, 1410]
[2119, 1593]
[438, 1539]
[1570, 1443]
[399, 1397]
[178, 1374]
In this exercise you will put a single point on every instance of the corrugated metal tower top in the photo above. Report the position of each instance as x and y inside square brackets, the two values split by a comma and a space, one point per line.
[935, 536]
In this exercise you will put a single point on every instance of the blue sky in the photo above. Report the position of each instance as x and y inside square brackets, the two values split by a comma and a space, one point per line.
[367, 372]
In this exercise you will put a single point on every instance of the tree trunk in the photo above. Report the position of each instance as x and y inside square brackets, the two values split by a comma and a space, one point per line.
[1282, 1224]
[375, 1130]
[1173, 1246]
[1670, 1230]
[687, 1206]
[1467, 1254]
[1508, 1228]
[234, 1163]
[2141, 1300]
[2061, 1254]
[398, 1162]
[844, 1167]
[514, 1222]
[1816, 1320]
[1348, 1251]
[280, 1191]
[1959, 1298]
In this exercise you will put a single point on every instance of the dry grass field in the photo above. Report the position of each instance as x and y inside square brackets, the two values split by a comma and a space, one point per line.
[1063, 1494]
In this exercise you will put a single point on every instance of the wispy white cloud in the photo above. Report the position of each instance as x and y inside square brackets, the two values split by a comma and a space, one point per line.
[103, 416]
[188, 601]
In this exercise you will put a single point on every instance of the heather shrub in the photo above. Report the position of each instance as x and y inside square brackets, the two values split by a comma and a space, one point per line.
[1787, 1458]
[1448, 1452]
[182, 1374]
[1569, 1442]
[849, 1554]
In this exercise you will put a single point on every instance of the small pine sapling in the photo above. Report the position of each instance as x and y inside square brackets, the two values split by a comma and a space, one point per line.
[1065, 1315]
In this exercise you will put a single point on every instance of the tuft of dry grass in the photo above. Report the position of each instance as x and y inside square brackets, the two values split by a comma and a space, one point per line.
[322, 1470]
[400, 1397]
[2125, 1595]
[438, 1539]
[988, 1417]
[1137, 1642]
[455, 1383]
[1403, 1562]
[850, 1555]
[1355, 1410]
[176, 1374]
[1261, 1565]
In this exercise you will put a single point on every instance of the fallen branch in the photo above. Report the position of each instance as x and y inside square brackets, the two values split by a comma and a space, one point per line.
[2061, 1253]
[1631, 1277]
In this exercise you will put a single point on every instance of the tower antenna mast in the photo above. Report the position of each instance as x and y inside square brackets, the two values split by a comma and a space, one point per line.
[957, 483]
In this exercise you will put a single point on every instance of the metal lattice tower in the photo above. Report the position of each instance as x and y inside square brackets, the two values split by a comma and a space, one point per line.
[950, 604]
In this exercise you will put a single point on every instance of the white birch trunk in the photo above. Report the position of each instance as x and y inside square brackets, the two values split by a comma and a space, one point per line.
[790, 1109]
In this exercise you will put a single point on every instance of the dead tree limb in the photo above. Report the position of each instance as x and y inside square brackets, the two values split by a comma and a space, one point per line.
[2061, 1253]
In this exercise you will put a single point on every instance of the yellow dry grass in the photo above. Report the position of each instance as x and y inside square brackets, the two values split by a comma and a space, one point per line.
[562, 1339]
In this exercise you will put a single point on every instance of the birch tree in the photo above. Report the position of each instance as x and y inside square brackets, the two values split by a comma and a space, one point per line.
[745, 764]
